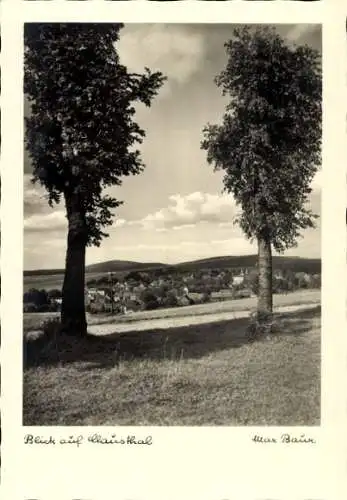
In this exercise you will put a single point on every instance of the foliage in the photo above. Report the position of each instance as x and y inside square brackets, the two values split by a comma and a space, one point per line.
[96, 307]
[37, 297]
[150, 300]
[134, 276]
[54, 293]
[170, 299]
[81, 134]
[269, 142]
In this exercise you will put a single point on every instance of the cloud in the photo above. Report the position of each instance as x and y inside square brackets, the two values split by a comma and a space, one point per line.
[182, 211]
[174, 50]
[38, 215]
[300, 31]
[189, 210]
[119, 222]
[34, 197]
[54, 221]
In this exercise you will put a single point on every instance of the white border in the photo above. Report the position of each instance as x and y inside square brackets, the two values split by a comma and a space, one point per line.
[185, 463]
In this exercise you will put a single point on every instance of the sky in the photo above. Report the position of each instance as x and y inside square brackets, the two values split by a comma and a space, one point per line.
[175, 210]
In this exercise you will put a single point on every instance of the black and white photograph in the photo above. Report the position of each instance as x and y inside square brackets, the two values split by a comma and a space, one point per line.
[172, 229]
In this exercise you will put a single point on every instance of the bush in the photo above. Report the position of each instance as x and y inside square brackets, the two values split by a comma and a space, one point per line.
[150, 300]
[29, 308]
[35, 296]
[96, 307]
[102, 281]
[54, 294]
[45, 308]
[170, 300]
[133, 276]
[152, 304]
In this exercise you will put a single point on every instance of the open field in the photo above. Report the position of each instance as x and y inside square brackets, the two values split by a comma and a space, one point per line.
[32, 321]
[51, 281]
[206, 374]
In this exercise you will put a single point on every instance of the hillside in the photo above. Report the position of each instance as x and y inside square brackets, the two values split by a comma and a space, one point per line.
[296, 264]
[123, 265]
[102, 267]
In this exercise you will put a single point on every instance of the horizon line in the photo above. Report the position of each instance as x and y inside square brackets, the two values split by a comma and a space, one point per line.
[62, 270]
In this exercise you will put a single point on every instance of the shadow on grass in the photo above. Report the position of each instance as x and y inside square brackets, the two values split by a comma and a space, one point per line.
[189, 342]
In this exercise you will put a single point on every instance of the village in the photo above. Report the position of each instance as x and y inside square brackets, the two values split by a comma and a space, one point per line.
[119, 293]
[138, 292]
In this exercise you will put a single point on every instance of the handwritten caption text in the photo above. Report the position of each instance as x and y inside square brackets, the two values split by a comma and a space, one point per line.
[32, 439]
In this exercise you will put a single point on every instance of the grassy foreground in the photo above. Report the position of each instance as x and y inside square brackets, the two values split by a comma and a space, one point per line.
[205, 374]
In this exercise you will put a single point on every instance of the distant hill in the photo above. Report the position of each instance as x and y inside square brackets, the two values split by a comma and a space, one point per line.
[296, 264]
[123, 265]
[103, 267]
[43, 272]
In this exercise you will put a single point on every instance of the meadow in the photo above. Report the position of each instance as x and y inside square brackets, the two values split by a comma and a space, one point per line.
[204, 374]
[50, 281]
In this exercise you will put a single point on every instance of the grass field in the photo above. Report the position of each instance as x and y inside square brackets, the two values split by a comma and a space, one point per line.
[207, 374]
[51, 281]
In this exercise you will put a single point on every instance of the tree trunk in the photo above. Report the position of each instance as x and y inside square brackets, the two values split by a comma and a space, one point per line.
[73, 315]
[265, 277]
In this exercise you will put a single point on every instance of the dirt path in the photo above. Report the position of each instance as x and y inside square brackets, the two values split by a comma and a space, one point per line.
[165, 323]
[226, 306]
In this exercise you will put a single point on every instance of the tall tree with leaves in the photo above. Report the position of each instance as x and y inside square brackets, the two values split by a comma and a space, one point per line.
[269, 142]
[81, 135]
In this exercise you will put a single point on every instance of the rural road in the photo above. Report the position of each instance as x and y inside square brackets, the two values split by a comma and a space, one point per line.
[173, 322]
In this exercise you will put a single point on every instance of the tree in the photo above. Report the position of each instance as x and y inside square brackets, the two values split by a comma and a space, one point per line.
[150, 300]
[81, 134]
[133, 276]
[37, 297]
[54, 293]
[269, 142]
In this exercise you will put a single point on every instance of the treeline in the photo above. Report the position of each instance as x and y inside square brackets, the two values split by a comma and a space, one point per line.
[35, 300]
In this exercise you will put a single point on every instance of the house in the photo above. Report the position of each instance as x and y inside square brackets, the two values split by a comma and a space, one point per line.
[93, 294]
[303, 277]
[57, 303]
[238, 280]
